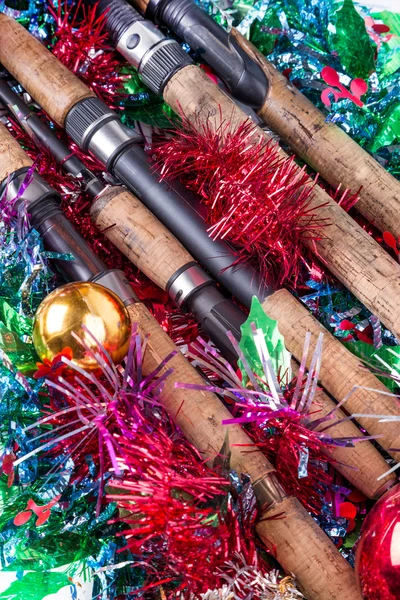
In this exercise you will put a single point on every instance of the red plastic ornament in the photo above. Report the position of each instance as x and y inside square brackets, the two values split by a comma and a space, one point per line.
[378, 551]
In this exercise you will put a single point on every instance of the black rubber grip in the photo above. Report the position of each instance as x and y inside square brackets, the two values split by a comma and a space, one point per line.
[217, 316]
[242, 75]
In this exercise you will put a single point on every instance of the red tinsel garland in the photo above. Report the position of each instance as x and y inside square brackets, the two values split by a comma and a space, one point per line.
[256, 200]
[178, 515]
[83, 46]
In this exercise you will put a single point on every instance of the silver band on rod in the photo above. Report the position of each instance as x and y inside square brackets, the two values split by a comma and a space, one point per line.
[269, 491]
[187, 282]
[117, 282]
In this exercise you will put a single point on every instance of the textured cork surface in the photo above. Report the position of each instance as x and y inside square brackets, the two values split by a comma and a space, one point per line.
[134, 230]
[51, 84]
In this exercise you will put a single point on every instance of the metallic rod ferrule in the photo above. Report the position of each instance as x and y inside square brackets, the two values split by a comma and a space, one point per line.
[269, 492]
[186, 281]
[117, 282]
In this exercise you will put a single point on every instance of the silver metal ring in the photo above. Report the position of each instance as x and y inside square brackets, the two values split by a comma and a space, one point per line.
[94, 125]
[108, 138]
[117, 282]
[186, 282]
[146, 36]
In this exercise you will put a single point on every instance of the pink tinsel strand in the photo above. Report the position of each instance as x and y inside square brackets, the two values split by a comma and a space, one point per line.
[256, 200]
[177, 513]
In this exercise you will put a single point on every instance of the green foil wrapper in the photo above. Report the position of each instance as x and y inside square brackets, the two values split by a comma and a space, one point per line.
[351, 41]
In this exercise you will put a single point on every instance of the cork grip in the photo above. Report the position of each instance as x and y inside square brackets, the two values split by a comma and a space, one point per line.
[348, 251]
[362, 464]
[200, 415]
[300, 547]
[340, 370]
[12, 157]
[133, 229]
[52, 85]
[326, 147]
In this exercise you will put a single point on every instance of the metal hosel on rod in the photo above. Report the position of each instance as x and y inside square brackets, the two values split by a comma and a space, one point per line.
[200, 416]
[349, 252]
[252, 79]
[144, 240]
[19, 63]
[361, 465]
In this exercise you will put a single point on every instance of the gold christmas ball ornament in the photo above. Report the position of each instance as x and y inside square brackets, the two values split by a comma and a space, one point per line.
[71, 306]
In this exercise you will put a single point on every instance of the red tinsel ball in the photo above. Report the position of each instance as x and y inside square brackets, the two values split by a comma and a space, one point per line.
[378, 552]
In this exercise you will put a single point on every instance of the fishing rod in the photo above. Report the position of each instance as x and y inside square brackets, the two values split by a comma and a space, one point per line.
[254, 80]
[363, 465]
[146, 242]
[199, 414]
[349, 251]
[61, 93]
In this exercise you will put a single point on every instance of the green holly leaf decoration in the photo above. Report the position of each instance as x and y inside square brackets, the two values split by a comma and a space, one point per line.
[350, 40]
[280, 357]
[389, 132]
[384, 358]
[262, 40]
[389, 53]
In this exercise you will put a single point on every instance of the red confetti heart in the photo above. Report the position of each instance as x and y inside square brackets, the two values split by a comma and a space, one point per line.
[380, 28]
[8, 464]
[345, 325]
[347, 510]
[22, 518]
[390, 240]
[356, 496]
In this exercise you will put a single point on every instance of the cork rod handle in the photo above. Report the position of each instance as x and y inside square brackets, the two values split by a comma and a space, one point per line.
[348, 251]
[300, 547]
[52, 85]
[362, 464]
[326, 147]
[133, 229]
[340, 371]
[200, 416]
[12, 157]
